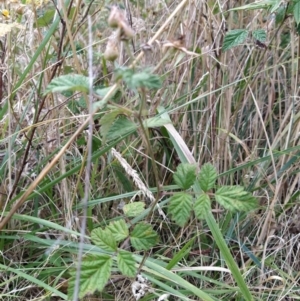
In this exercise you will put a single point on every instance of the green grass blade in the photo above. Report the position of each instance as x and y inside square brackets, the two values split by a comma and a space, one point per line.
[34, 280]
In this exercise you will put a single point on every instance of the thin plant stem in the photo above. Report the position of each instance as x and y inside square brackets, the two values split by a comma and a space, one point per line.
[88, 164]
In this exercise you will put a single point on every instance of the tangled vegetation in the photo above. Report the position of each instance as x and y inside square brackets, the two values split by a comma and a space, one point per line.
[149, 150]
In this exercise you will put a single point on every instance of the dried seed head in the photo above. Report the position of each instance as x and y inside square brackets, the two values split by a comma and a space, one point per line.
[115, 17]
[112, 51]
[20, 9]
[126, 31]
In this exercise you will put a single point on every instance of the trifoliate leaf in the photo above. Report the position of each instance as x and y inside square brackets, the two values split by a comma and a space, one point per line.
[143, 237]
[134, 209]
[235, 198]
[104, 239]
[118, 229]
[207, 177]
[94, 274]
[126, 263]
[180, 206]
[185, 175]
[202, 206]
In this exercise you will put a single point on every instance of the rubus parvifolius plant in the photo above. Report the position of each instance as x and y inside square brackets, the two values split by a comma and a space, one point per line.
[181, 204]
[97, 269]
[277, 11]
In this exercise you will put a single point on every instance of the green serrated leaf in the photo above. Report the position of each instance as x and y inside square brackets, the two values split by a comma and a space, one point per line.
[296, 12]
[134, 209]
[143, 237]
[235, 198]
[118, 229]
[207, 177]
[46, 19]
[144, 80]
[104, 239]
[107, 120]
[126, 263]
[95, 272]
[180, 206]
[185, 175]
[234, 38]
[69, 82]
[202, 206]
[121, 126]
[260, 35]
[135, 80]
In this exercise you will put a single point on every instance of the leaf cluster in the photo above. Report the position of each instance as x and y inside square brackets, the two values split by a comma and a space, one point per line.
[96, 269]
[181, 205]
[280, 12]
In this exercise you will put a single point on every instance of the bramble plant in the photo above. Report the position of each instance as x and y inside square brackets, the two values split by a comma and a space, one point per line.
[109, 113]
[277, 10]
[96, 270]
[233, 198]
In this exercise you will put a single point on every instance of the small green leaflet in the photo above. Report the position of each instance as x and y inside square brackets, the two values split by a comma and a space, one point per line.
[180, 206]
[202, 206]
[145, 79]
[207, 177]
[107, 120]
[121, 127]
[234, 38]
[135, 80]
[143, 237]
[46, 19]
[185, 175]
[134, 209]
[126, 263]
[235, 198]
[104, 239]
[69, 82]
[118, 229]
[95, 272]
[260, 35]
